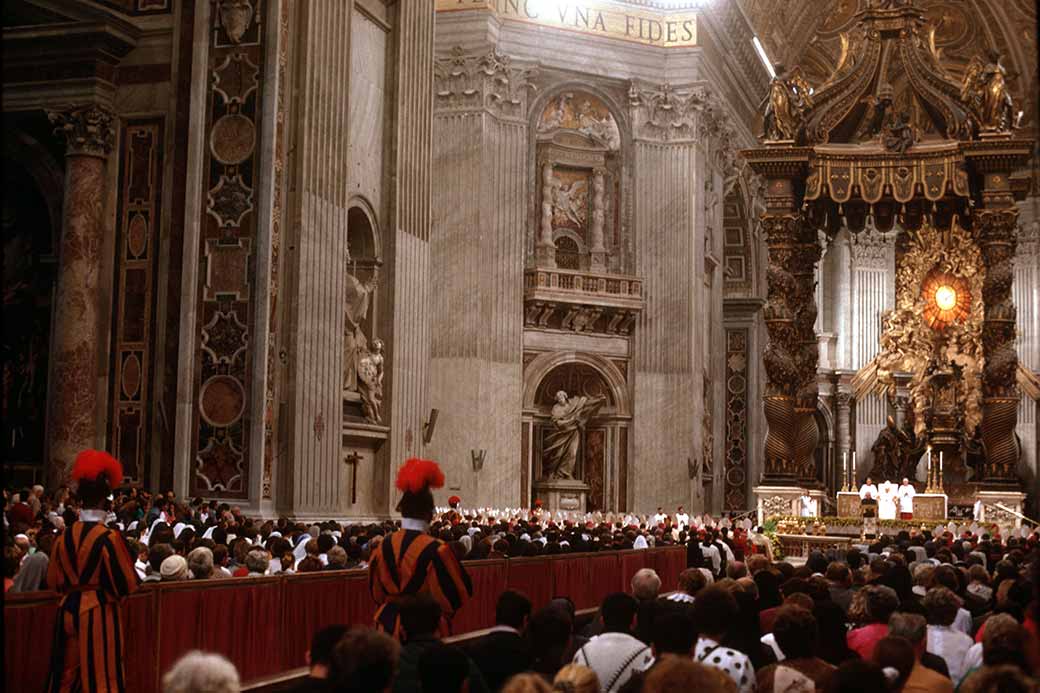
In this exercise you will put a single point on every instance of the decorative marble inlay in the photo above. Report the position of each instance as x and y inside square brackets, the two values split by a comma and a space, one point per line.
[230, 200]
[736, 461]
[224, 337]
[221, 400]
[140, 195]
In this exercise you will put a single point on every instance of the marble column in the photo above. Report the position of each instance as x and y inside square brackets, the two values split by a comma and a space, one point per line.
[843, 400]
[996, 229]
[78, 333]
[792, 354]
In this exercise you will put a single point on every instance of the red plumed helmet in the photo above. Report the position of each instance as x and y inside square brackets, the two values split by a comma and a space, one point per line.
[90, 464]
[418, 474]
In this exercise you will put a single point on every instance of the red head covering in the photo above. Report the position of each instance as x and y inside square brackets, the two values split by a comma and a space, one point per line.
[454, 501]
[417, 475]
[91, 464]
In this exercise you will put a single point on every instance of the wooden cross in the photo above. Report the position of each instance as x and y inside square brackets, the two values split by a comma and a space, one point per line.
[352, 459]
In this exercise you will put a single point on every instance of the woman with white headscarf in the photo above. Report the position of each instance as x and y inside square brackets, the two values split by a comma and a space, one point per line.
[32, 574]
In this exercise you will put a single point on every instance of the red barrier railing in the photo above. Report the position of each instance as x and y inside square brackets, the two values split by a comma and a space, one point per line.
[264, 625]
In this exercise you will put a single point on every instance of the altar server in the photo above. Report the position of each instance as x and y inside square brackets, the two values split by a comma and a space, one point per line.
[410, 561]
[906, 500]
[92, 569]
[887, 500]
[682, 520]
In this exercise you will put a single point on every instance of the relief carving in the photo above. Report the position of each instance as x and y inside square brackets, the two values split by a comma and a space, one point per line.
[491, 81]
[87, 130]
[664, 112]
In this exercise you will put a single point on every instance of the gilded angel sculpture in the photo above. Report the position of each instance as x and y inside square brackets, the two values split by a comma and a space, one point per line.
[785, 106]
[985, 89]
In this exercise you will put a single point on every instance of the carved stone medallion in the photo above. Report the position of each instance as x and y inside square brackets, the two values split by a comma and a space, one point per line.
[232, 139]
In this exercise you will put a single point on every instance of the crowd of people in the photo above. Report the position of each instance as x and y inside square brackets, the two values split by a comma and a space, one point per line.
[920, 611]
[911, 614]
[175, 539]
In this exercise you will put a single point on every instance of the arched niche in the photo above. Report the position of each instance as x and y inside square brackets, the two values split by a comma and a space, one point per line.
[363, 350]
[603, 462]
[31, 219]
[578, 181]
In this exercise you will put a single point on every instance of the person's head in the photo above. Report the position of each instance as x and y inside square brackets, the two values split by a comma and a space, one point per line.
[672, 631]
[201, 671]
[322, 644]
[645, 584]
[258, 561]
[714, 611]
[158, 553]
[736, 570]
[575, 678]
[756, 563]
[414, 480]
[364, 661]
[911, 627]
[1004, 642]
[512, 609]
[549, 634]
[618, 612]
[337, 556]
[796, 632]
[869, 481]
[692, 581]
[675, 674]
[420, 616]
[898, 654]
[527, 683]
[95, 474]
[443, 669]
[880, 602]
[838, 573]
[200, 563]
[174, 568]
[941, 605]
[310, 564]
[857, 676]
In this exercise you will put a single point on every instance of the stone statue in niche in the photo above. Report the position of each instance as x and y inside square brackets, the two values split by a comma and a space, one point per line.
[370, 382]
[358, 355]
[569, 417]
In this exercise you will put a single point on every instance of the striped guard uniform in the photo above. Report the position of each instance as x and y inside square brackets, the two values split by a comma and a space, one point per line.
[92, 569]
[411, 562]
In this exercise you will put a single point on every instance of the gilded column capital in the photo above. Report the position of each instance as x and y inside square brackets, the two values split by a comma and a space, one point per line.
[87, 130]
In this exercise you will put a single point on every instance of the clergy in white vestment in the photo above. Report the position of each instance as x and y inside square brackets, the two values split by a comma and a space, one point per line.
[868, 490]
[807, 505]
[682, 520]
[887, 501]
[906, 495]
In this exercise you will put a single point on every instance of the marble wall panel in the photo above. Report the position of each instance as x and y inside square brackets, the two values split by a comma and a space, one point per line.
[312, 479]
[667, 406]
[477, 248]
[368, 41]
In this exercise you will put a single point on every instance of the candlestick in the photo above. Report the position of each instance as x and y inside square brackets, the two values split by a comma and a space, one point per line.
[844, 470]
[852, 482]
[940, 484]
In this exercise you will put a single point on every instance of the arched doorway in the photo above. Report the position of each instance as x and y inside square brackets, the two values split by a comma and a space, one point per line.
[603, 446]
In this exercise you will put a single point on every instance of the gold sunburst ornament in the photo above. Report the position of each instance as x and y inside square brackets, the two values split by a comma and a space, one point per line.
[946, 298]
[938, 302]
